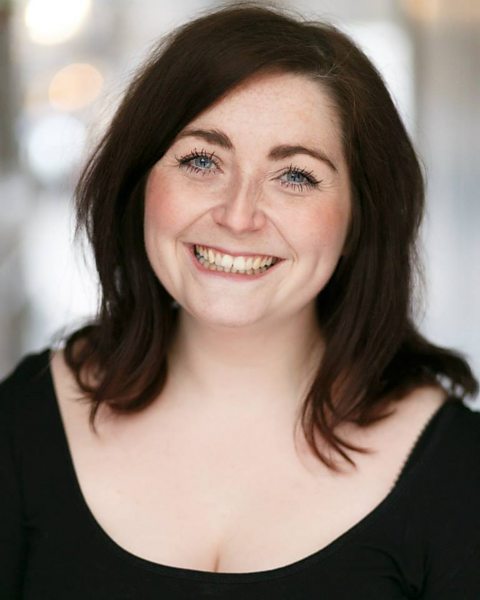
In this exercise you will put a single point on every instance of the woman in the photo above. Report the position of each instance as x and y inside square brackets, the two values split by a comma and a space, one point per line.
[253, 413]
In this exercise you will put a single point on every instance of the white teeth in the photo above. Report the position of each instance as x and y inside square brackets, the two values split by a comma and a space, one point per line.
[224, 262]
[239, 263]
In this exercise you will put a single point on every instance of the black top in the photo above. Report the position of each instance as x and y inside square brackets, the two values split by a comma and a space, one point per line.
[421, 541]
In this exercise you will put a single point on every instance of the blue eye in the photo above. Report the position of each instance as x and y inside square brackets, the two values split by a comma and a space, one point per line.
[202, 162]
[298, 179]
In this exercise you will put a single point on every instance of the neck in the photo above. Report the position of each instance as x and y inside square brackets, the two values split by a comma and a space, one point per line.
[253, 371]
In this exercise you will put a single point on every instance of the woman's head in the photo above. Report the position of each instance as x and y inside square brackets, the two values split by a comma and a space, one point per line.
[207, 59]
[260, 173]
[372, 349]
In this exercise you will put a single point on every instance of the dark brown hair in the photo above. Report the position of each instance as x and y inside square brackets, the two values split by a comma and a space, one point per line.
[374, 352]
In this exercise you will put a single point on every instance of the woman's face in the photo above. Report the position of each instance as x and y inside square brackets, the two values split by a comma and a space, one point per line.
[259, 174]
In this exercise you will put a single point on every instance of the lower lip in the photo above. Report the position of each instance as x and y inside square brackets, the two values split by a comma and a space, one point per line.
[233, 276]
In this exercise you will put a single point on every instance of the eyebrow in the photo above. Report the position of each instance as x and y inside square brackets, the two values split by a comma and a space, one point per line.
[214, 136]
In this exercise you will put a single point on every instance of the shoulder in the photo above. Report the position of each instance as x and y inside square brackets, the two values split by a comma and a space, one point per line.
[31, 433]
[450, 470]
[21, 390]
[459, 437]
[443, 431]
[450, 450]
[447, 504]
[455, 460]
[443, 470]
[27, 373]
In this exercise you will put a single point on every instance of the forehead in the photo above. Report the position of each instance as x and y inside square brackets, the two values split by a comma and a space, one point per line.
[280, 107]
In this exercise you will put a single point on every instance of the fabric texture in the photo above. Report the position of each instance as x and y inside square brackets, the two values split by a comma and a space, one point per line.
[422, 541]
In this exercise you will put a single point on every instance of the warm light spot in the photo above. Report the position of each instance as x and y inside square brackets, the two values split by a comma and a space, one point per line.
[75, 86]
[55, 21]
[443, 11]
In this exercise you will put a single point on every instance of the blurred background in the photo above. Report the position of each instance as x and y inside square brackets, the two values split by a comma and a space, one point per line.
[63, 67]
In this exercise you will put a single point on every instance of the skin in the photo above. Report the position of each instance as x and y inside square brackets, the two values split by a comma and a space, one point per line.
[248, 345]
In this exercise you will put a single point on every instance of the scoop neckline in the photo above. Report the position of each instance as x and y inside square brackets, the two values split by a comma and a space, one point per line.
[401, 484]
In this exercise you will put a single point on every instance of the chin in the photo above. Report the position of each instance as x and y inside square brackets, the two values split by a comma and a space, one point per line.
[226, 317]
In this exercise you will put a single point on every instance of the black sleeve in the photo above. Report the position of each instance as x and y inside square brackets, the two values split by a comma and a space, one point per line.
[12, 539]
[454, 512]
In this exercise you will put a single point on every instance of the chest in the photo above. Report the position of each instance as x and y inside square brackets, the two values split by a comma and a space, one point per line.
[223, 504]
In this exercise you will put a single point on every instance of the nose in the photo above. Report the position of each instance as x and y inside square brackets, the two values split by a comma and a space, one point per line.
[240, 208]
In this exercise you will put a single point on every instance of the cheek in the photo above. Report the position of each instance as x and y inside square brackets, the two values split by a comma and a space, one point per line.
[168, 208]
[162, 223]
[160, 208]
[323, 230]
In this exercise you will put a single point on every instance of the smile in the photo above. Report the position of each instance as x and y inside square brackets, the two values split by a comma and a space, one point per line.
[245, 265]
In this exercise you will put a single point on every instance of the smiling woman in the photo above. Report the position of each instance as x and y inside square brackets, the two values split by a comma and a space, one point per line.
[243, 201]
[253, 412]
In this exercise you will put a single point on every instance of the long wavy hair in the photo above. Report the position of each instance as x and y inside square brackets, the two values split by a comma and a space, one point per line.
[373, 350]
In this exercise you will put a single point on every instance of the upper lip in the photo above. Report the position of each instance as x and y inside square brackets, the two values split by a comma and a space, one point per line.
[231, 253]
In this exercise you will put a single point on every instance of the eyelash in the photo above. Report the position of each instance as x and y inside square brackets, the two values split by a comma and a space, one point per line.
[308, 175]
[184, 162]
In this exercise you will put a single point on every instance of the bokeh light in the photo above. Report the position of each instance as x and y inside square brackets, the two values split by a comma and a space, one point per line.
[55, 21]
[54, 146]
[75, 86]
